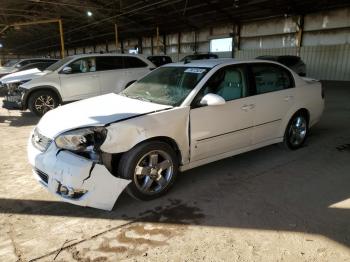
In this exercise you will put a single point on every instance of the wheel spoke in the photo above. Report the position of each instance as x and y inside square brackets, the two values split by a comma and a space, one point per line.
[153, 159]
[161, 181]
[142, 170]
[41, 99]
[147, 183]
[164, 165]
[49, 99]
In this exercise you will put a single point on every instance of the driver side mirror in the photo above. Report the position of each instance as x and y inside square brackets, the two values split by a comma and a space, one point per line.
[67, 70]
[212, 100]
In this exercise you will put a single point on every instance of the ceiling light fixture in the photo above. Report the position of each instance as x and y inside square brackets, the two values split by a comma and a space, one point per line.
[88, 13]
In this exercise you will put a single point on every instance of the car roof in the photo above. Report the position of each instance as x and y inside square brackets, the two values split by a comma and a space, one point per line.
[38, 58]
[107, 54]
[210, 63]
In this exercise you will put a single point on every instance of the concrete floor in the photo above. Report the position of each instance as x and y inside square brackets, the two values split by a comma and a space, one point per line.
[267, 205]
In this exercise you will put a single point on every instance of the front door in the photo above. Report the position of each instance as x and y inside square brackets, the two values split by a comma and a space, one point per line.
[82, 82]
[223, 128]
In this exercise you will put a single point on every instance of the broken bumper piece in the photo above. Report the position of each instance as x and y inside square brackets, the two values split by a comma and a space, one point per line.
[75, 179]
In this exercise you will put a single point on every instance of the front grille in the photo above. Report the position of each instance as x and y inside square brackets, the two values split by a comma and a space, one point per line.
[39, 141]
[42, 175]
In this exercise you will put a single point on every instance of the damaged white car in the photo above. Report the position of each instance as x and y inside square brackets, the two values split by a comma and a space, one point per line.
[178, 117]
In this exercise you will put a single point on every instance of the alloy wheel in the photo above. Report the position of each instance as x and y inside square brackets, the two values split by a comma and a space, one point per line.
[154, 172]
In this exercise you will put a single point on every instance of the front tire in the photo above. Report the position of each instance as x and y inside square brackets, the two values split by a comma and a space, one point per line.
[42, 101]
[152, 168]
[297, 131]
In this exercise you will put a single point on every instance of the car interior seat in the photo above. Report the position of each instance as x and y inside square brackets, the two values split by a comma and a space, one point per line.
[232, 86]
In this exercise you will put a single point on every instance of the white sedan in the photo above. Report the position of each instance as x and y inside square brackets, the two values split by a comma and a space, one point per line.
[178, 117]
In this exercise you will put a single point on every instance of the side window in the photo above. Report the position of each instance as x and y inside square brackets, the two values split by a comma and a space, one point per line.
[23, 63]
[271, 78]
[228, 82]
[83, 65]
[133, 62]
[109, 63]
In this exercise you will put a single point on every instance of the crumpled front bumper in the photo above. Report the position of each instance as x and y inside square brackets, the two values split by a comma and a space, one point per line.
[55, 168]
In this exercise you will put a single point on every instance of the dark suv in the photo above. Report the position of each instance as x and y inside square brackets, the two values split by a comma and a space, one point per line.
[159, 60]
[199, 57]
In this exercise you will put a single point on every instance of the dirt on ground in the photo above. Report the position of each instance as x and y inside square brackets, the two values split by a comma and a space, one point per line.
[270, 204]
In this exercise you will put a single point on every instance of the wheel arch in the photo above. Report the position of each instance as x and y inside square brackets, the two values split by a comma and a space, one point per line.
[40, 88]
[302, 110]
[168, 140]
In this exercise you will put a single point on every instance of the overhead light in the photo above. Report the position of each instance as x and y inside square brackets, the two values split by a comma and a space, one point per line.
[1, 45]
[88, 13]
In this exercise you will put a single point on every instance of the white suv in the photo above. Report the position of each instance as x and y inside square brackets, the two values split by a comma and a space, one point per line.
[82, 76]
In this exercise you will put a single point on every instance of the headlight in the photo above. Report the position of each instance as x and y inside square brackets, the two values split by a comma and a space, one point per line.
[82, 140]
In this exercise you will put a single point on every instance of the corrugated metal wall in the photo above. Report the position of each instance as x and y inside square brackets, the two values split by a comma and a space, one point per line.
[325, 42]
[327, 62]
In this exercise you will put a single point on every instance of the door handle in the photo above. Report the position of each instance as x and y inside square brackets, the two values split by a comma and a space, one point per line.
[247, 107]
[287, 98]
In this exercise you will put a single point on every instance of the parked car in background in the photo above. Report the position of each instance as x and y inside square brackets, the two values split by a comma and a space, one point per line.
[11, 82]
[177, 117]
[14, 65]
[293, 62]
[160, 60]
[82, 76]
[199, 57]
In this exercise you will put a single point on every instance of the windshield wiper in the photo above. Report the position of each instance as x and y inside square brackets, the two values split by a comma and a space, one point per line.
[140, 98]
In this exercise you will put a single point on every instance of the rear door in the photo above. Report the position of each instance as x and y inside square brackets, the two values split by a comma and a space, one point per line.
[82, 82]
[136, 68]
[112, 74]
[275, 96]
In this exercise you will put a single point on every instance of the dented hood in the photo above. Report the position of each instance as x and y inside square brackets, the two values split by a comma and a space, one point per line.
[96, 111]
[21, 76]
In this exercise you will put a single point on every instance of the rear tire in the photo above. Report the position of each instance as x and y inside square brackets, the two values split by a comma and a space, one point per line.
[152, 168]
[297, 131]
[42, 101]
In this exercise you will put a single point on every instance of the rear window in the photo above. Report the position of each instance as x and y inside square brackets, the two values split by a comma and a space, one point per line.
[133, 62]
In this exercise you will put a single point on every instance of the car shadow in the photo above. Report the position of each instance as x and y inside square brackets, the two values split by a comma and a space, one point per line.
[23, 118]
[238, 192]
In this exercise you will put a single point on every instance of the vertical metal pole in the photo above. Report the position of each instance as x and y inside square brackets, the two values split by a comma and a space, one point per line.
[139, 45]
[62, 39]
[152, 48]
[157, 40]
[178, 45]
[299, 34]
[164, 44]
[116, 36]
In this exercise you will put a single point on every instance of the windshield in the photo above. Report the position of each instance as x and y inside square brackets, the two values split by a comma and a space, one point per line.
[11, 63]
[166, 85]
[59, 63]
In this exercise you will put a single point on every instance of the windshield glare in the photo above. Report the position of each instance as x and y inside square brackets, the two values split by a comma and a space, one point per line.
[58, 64]
[166, 85]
